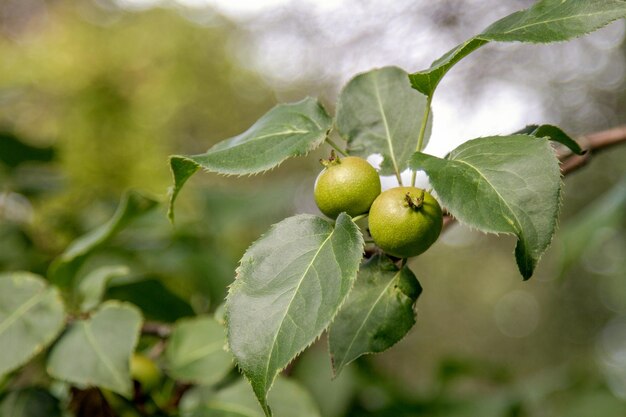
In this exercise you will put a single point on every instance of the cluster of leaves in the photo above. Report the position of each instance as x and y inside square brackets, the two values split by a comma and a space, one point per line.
[87, 339]
[296, 281]
[307, 274]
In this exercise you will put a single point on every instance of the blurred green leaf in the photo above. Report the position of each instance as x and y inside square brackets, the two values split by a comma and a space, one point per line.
[379, 112]
[14, 152]
[154, 299]
[546, 21]
[287, 130]
[585, 230]
[289, 287]
[31, 317]
[333, 396]
[96, 351]
[30, 402]
[378, 313]
[196, 352]
[238, 400]
[63, 270]
[501, 184]
[92, 287]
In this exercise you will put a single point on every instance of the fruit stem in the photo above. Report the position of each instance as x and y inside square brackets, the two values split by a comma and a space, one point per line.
[359, 217]
[420, 138]
[335, 146]
[333, 159]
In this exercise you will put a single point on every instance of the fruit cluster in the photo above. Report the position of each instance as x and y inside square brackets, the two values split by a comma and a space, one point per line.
[403, 221]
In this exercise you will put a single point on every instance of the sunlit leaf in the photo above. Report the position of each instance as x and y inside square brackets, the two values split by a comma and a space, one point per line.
[96, 351]
[285, 131]
[290, 284]
[379, 112]
[31, 317]
[63, 270]
[196, 351]
[378, 314]
[546, 21]
[238, 400]
[501, 184]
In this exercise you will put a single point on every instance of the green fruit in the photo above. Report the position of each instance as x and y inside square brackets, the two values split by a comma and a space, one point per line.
[405, 221]
[348, 185]
[145, 371]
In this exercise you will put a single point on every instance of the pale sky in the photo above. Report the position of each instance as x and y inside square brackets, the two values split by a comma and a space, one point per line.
[502, 106]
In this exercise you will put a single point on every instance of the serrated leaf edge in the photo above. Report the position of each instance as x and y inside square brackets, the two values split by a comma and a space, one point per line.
[337, 371]
[233, 285]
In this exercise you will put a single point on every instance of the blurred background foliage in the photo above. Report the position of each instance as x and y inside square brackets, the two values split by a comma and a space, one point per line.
[95, 94]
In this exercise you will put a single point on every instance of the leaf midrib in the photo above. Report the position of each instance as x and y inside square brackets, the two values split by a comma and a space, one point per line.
[385, 123]
[257, 138]
[544, 22]
[517, 225]
[369, 313]
[282, 321]
[107, 363]
[22, 310]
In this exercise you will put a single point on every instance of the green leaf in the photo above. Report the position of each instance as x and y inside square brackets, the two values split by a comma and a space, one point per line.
[334, 396]
[30, 402]
[63, 270]
[156, 301]
[289, 287]
[378, 112]
[589, 227]
[555, 20]
[31, 317]
[546, 21]
[92, 287]
[378, 314]
[553, 133]
[96, 351]
[426, 81]
[501, 184]
[287, 130]
[238, 400]
[196, 351]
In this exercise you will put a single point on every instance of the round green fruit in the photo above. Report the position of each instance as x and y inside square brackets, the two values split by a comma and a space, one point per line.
[405, 221]
[145, 371]
[348, 185]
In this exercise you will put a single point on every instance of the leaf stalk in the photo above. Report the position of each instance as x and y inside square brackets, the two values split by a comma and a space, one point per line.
[420, 138]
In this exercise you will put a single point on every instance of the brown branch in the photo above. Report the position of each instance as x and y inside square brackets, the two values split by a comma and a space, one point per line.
[593, 143]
